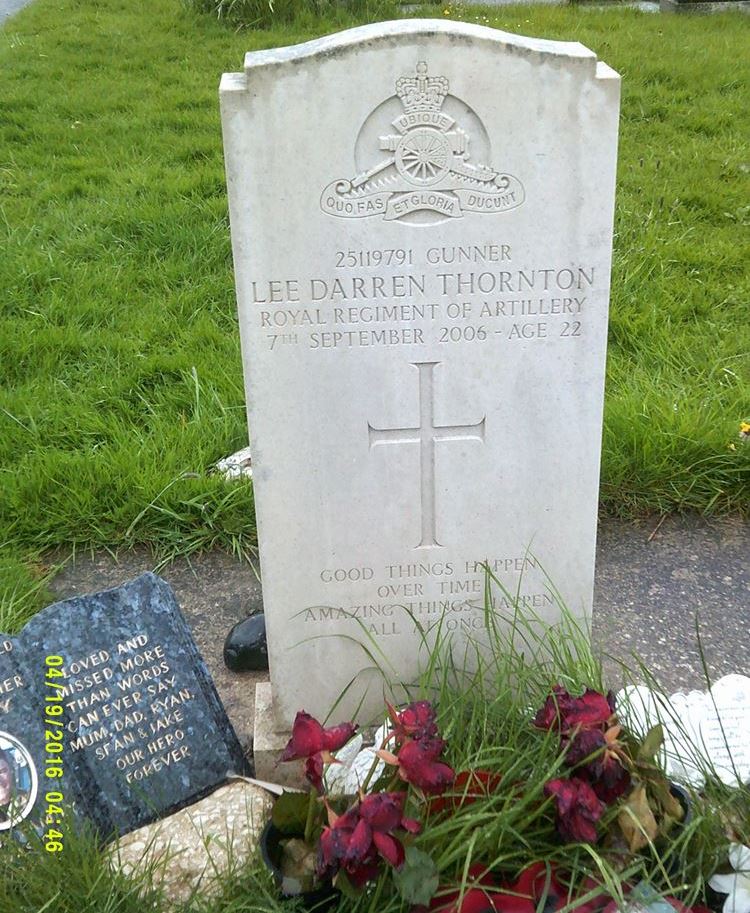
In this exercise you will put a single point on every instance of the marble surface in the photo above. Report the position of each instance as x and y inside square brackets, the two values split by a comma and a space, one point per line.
[421, 217]
[195, 849]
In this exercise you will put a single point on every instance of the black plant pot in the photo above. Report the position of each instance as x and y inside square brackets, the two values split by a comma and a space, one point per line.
[320, 898]
[683, 797]
[675, 864]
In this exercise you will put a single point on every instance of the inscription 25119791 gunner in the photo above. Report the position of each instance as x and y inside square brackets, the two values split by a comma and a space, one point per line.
[428, 169]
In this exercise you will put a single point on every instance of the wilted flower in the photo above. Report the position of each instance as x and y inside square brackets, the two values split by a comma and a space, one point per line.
[418, 764]
[415, 721]
[603, 768]
[563, 712]
[736, 885]
[583, 745]
[357, 840]
[578, 809]
[311, 741]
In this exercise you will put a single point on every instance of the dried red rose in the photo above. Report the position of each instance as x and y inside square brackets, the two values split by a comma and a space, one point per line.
[310, 740]
[563, 712]
[415, 721]
[608, 778]
[418, 764]
[596, 756]
[309, 737]
[583, 745]
[357, 840]
[578, 809]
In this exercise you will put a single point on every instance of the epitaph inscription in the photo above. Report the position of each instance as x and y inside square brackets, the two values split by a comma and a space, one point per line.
[130, 702]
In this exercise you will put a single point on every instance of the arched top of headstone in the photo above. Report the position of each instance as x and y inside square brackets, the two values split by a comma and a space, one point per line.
[408, 31]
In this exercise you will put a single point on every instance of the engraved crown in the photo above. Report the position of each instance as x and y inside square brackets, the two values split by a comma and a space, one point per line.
[422, 92]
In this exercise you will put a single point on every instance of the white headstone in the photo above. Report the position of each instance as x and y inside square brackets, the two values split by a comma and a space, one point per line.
[421, 218]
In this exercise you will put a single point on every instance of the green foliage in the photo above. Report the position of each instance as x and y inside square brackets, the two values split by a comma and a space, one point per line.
[417, 881]
[261, 14]
[78, 880]
[290, 813]
[122, 380]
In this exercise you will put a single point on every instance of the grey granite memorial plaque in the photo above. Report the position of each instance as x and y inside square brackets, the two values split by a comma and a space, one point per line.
[107, 707]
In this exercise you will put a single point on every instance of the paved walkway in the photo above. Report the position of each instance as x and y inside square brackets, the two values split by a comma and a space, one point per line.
[8, 7]
[649, 591]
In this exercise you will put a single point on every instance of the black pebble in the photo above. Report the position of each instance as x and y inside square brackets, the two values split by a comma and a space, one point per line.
[245, 649]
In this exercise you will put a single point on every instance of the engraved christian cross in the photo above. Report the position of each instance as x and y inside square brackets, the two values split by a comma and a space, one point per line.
[426, 434]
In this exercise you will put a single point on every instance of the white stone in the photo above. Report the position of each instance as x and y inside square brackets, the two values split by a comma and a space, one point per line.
[705, 732]
[237, 465]
[194, 849]
[421, 220]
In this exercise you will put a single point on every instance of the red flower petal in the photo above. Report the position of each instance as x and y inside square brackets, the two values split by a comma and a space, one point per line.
[511, 903]
[418, 765]
[538, 882]
[584, 744]
[442, 902]
[578, 809]
[475, 900]
[360, 873]
[336, 736]
[564, 792]
[307, 738]
[589, 710]
[481, 874]
[383, 811]
[416, 721]
[359, 842]
[333, 844]
[561, 711]
[314, 771]
[389, 848]
[550, 714]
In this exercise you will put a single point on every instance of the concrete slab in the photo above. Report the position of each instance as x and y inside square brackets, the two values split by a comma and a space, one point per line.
[654, 585]
[651, 587]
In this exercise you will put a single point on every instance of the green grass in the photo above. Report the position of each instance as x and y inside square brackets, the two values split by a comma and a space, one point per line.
[118, 337]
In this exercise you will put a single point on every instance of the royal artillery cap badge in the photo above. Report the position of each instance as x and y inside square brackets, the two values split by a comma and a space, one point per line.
[423, 168]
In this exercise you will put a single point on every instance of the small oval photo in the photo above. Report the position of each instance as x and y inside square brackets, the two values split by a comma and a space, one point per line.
[18, 781]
